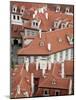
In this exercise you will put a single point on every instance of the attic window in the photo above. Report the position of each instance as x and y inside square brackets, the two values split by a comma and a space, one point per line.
[70, 39]
[22, 10]
[41, 44]
[53, 82]
[34, 23]
[46, 92]
[14, 9]
[14, 17]
[67, 9]
[17, 17]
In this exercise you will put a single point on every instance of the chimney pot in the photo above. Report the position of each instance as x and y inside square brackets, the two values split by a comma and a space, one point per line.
[49, 46]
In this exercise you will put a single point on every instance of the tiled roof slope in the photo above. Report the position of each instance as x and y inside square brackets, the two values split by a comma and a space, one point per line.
[49, 37]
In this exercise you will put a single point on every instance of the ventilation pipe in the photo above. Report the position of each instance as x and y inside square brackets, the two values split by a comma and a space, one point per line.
[62, 69]
[40, 33]
[32, 82]
[49, 46]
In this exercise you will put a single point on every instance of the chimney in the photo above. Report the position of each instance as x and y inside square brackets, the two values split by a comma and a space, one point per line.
[39, 22]
[33, 15]
[43, 71]
[27, 64]
[70, 86]
[40, 33]
[49, 46]
[18, 89]
[49, 65]
[62, 69]
[46, 15]
[50, 29]
[35, 12]
[32, 82]
[37, 64]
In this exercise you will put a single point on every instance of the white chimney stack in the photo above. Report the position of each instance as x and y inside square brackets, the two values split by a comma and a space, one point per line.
[37, 64]
[62, 69]
[32, 82]
[49, 46]
[27, 65]
[33, 15]
[43, 71]
[70, 86]
[50, 29]
[35, 12]
[18, 89]
[40, 33]
[46, 15]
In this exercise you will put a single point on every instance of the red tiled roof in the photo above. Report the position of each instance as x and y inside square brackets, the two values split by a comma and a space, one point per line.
[60, 83]
[46, 24]
[49, 37]
[69, 67]
[15, 31]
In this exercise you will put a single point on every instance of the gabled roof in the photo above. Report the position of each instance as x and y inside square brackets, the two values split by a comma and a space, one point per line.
[48, 37]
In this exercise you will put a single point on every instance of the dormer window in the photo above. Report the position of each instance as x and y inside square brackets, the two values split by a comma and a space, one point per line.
[70, 39]
[41, 44]
[22, 10]
[35, 24]
[46, 92]
[67, 10]
[14, 8]
[53, 82]
[58, 8]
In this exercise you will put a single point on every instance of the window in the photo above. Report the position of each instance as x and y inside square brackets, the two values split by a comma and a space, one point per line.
[53, 82]
[66, 54]
[61, 55]
[14, 9]
[22, 10]
[46, 92]
[34, 23]
[17, 17]
[14, 17]
[72, 53]
[41, 43]
[57, 92]
[15, 42]
[55, 57]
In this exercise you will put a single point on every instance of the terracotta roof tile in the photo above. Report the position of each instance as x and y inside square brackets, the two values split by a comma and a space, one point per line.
[49, 37]
[15, 31]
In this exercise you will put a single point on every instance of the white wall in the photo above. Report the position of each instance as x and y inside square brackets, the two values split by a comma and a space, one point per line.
[30, 32]
[16, 21]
